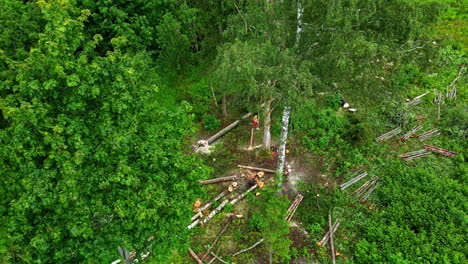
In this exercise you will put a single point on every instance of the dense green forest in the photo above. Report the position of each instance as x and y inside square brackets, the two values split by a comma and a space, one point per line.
[103, 104]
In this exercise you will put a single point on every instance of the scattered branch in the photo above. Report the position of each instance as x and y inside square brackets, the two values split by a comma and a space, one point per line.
[249, 248]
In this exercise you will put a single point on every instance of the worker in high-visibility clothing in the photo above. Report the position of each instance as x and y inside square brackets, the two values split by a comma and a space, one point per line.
[255, 122]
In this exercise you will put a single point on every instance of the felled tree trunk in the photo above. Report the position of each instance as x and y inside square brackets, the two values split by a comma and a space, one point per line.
[267, 125]
[282, 148]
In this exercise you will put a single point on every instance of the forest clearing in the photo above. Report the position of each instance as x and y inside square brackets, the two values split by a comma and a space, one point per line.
[234, 131]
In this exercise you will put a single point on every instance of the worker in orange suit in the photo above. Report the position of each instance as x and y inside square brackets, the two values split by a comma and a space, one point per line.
[255, 122]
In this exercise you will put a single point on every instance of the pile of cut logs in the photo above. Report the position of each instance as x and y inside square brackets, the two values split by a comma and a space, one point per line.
[366, 189]
[354, 180]
[294, 205]
[414, 155]
[389, 134]
[410, 133]
[413, 102]
[442, 151]
[428, 134]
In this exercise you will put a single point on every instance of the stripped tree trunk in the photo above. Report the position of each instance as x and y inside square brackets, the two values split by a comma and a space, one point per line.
[195, 257]
[282, 148]
[267, 125]
[331, 238]
[249, 248]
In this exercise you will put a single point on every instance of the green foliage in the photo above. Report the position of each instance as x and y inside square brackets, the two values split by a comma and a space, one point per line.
[211, 123]
[268, 218]
[334, 101]
[90, 161]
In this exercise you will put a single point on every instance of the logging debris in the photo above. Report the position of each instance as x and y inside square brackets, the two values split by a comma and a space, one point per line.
[214, 212]
[293, 207]
[249, 248]
[413, 102]
[230, 219]
[429, 134]
[442, 151]
[389, 134]
[332, 246]
[195, 257]
[414, 155]
[365, 190]
[410, 133]
[238, 198]
[221, 195]
[354, 180]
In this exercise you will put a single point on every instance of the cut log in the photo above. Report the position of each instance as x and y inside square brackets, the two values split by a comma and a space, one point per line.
[195, 257]
[218, 180]
[294, 205]
[389, 134]
[230, 219]
[238, 198]
[352, 181]
[410, 133]
[249, 248]
[214, 212]
[326, 237]
[221, 195]
[228, 128]
[256, 168]
[428, 134]
[199, 214]
[366, 196]
[192, 225]
[332, 246]
[345, 102]
[442, 151]
[420, 96]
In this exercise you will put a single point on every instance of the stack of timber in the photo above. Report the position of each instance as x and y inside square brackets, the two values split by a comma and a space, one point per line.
[452, 94]
[429, 134]
[414, 155]
[294, 205]
[352, 181]
[326, 237]
[413, 102]
[218, 180]
[442, 151]
[389, 134]
[366, 189]
[410, 133]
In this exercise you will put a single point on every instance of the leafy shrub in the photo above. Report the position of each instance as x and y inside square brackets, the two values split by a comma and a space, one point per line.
[211, 123]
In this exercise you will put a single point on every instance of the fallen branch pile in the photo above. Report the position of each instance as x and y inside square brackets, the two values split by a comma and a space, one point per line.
[389, 134]
[442, 151]
[410, 133]
[218, 180]
[294, 205]
[414, 155]
[352, 181]
[429, 134]
[413, 102]
[255, 168]
[366, 189]
[326, 237]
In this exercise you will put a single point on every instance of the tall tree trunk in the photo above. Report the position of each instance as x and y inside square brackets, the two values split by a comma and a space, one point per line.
[282, 148]
[224, 103]
[267, 125]
[300, 10]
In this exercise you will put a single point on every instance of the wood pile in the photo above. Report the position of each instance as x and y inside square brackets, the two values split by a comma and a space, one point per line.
[365, 190]
[389, 134]
[323, 242]
[429, 134]
[442, 151]
[352, 181]
[413, 102]
[410, 133]
[414, 155]
[238, 198]
[452, 94]
[294, 205]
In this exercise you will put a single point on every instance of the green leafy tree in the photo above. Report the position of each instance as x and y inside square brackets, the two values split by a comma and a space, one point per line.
[89, 161]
